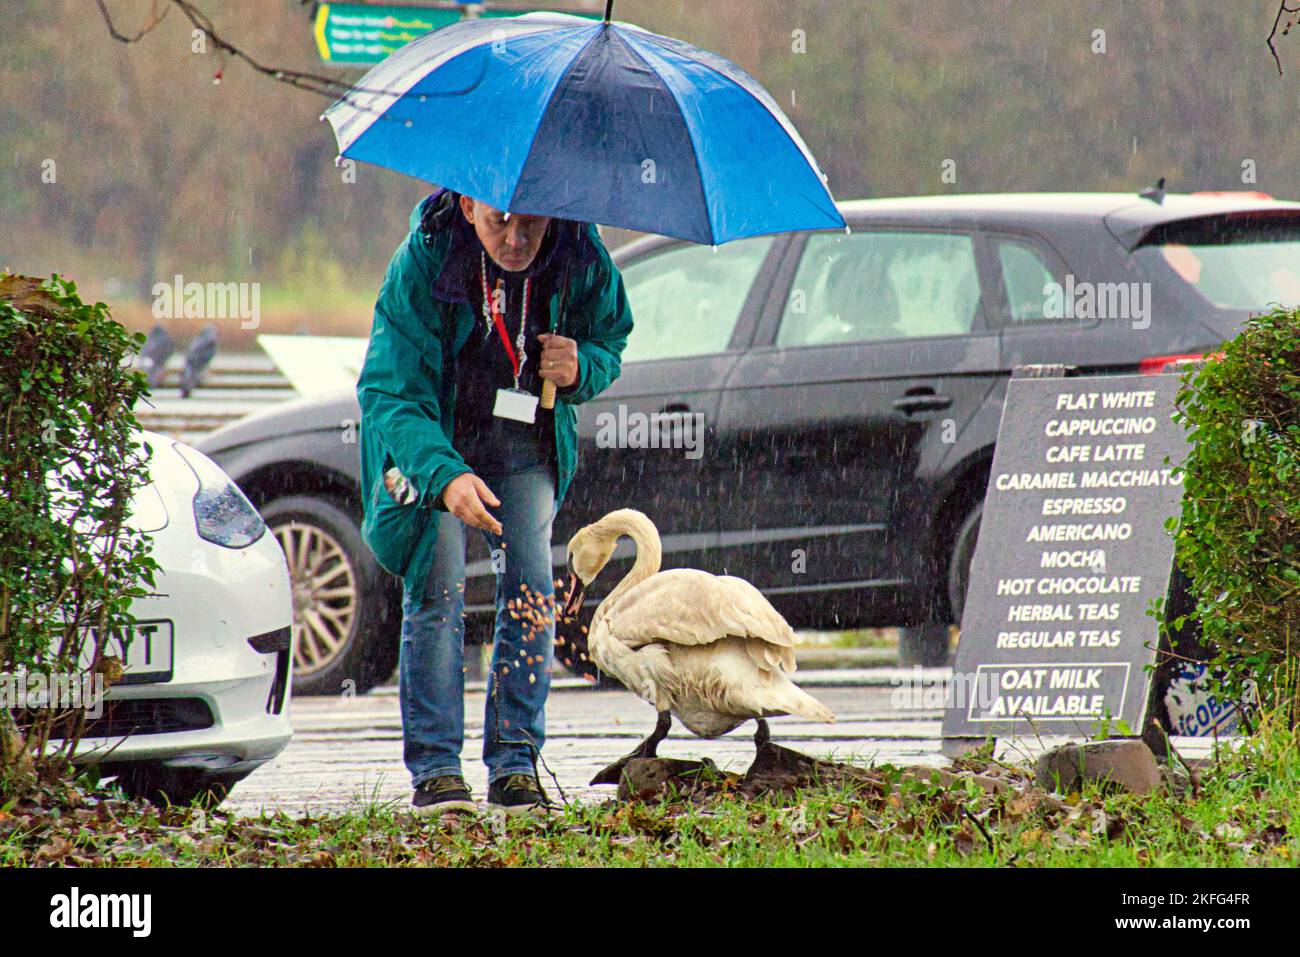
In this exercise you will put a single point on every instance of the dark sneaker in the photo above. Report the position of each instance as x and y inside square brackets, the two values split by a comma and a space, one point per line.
[517, 793]
[442, 794]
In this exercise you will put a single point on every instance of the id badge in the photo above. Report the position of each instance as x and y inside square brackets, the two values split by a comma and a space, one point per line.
[516, 404]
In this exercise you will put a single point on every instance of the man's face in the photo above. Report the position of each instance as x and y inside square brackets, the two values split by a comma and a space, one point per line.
[512, 243]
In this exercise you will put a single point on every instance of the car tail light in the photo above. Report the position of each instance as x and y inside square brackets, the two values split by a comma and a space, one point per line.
[1237, 193]
[1153, 365]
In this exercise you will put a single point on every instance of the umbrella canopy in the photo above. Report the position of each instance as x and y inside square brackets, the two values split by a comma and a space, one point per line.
[603, 122]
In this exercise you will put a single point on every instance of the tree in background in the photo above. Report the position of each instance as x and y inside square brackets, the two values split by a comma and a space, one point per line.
[159, 170]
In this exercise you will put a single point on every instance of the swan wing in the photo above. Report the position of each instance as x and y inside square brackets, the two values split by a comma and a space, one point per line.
[684, 606]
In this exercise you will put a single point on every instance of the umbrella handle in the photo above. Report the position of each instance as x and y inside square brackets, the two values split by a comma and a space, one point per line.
[548, 394]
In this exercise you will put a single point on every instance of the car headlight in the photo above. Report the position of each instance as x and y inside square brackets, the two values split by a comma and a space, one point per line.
[222, 514]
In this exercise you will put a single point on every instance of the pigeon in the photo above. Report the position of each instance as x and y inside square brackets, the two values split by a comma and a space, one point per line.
[197, 358]
[155, 352]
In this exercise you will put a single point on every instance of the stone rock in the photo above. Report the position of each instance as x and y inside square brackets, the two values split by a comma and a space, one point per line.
[1126, 765]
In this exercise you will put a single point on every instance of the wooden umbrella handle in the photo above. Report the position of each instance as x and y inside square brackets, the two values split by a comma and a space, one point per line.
[548, 387]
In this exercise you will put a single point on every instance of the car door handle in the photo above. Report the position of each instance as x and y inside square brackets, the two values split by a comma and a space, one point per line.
[921, 402]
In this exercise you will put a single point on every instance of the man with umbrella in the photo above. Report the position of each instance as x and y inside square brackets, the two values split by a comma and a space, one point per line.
[561, 117]
[478, 309]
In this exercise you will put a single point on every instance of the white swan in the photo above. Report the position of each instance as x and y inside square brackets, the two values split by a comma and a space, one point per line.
[709, 649]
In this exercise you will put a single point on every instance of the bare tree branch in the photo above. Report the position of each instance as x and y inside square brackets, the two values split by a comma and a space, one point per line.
[1282, 8]
[149, 24]
[312, 82]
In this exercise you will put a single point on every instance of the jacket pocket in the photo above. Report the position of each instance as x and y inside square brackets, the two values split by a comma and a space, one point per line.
[391, 530]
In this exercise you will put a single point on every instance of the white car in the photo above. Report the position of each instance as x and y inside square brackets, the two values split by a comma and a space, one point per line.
[204, 698]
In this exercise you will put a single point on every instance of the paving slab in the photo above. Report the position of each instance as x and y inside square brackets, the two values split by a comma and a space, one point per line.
[347, 752]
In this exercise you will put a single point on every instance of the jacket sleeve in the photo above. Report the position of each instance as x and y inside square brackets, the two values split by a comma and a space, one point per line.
[603, 302]
[399, 383]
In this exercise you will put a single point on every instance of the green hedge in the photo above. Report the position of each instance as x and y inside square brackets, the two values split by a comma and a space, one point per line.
[70, 464]
[1238, 537]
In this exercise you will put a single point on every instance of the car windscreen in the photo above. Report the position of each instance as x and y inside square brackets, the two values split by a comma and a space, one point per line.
[1245, 262]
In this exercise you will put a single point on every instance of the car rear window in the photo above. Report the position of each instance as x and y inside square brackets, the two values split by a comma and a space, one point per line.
[1026, 277]
[1247, 263]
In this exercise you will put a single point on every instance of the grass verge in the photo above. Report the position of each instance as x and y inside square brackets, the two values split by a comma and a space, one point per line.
[1243, 810]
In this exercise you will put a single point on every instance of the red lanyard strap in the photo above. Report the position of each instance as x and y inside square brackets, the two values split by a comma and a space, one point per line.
[498, 320]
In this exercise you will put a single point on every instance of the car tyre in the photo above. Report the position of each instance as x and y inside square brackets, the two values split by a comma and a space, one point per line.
[346, 615]
[923, 645]
[963, 551]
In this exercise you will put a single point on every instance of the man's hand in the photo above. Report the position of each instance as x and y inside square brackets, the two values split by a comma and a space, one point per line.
[559, 361]
[465, 496]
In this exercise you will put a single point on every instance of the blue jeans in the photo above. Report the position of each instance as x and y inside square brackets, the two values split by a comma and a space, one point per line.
[432, 659]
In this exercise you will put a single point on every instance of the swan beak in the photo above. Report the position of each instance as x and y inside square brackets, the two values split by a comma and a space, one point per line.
[574, 599]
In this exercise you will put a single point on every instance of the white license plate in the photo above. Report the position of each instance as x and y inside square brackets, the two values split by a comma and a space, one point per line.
[1193, 711]
[147, 657]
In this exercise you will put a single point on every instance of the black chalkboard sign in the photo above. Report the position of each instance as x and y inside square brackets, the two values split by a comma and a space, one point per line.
[1072, 550]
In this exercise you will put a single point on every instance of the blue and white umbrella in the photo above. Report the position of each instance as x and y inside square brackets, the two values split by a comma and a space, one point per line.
[603, 122]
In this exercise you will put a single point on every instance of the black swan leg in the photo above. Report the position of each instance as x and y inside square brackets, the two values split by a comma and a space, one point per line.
[776, 767]
[766, 754]
[646, 749]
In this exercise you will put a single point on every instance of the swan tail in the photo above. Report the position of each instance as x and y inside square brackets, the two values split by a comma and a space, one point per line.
[814, 710]
[799, 702]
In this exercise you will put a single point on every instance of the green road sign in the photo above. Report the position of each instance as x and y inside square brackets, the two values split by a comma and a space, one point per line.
[349, 33]
[360, 33]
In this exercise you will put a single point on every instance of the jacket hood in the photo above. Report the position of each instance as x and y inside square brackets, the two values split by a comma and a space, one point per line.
[567, 244]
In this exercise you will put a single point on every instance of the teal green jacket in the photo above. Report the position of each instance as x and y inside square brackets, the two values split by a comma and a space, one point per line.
[407, 389]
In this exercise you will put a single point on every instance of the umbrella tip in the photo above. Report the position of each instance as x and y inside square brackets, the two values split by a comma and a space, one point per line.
[609, 9]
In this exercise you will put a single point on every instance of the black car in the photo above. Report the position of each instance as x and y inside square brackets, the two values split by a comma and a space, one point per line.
[849, 387]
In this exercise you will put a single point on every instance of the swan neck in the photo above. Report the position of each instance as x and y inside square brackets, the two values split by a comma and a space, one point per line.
[649, 554]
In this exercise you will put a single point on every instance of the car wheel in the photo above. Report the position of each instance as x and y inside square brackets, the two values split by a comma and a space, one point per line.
[345, 610]
[179, 787]
[923, 645]
[963, 551]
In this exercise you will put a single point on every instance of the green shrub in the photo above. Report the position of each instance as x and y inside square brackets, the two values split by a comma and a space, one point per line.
[1238, 537]
[69, 467]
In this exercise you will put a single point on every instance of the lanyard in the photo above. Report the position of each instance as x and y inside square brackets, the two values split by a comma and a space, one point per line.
[498, 319]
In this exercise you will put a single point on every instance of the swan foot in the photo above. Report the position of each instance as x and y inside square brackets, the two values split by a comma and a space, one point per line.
[775, 766]
[646, 749]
